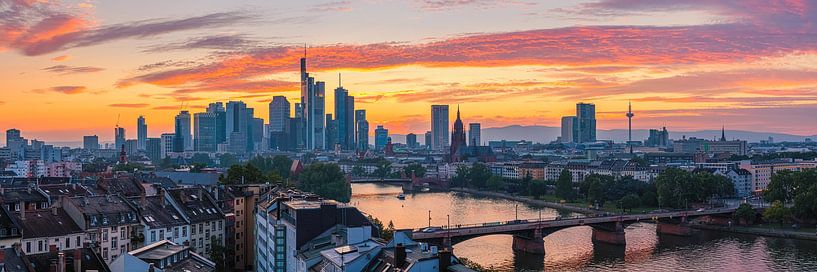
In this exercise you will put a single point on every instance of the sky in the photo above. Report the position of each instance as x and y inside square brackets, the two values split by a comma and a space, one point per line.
[73, 68]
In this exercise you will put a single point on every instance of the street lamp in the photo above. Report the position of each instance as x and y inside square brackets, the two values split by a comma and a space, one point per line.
[449, 221]
[516, 211]
[429, 218]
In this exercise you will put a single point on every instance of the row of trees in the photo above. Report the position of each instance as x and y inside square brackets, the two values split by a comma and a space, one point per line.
[677, 188]
[795, 193]
[626, 192]
[259, 170]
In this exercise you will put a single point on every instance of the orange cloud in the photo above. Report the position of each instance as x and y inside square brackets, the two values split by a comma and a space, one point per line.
[126, 105]
[61, 58]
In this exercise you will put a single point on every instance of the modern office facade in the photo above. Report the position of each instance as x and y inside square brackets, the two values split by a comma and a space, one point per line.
[439, 127]
[183, 133]
[313, 98]
[344, 118]
[278, 113]
[90, 142]
[381, 137]
[569, 125]
[475, 134]
[362, 130]
[141, 133]
[586, 119]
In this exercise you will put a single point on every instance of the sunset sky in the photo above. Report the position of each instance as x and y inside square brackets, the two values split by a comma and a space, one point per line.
[69, 68]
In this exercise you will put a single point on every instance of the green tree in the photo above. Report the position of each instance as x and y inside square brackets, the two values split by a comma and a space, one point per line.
[281, 164]
[201, 158]
[227, 160]
[128, 167]
[782, 187]
[745, 213]
[388, 233]
[495, 183]
[418, 170]
[776, 213]
[243, 174]
[478, 175]
[564, 185]
[676, 188]
[630, 202]
[460, 178]
[538, 188]
[358, 171]
[325, 180]
[383, 169]
[525, 184]
[217, 253]
[167, 163]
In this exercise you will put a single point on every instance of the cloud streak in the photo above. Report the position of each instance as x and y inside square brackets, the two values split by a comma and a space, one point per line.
[65, 69]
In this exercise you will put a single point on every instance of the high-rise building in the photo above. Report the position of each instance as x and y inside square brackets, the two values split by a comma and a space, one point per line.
[331, 132]
[362, 130]
[217, 109]
[299, 124]
[119, 137]
[411, 140]
[458, 136]
[381, 137]
[141, 133]
[238, 126]
[11, 136]
[313, 98]
[131, 147]
[474, 134]
[153, 149]
[428, 140]
[658, 138]
[344, 117]
[278, 113]
[257, 132]
[569, 125]
[586, 118]
[184, 135]
[439, 127]
[90, 142]
[205, 128]
[166, 144]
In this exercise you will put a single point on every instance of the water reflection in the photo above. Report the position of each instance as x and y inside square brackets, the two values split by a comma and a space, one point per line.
[572, 249]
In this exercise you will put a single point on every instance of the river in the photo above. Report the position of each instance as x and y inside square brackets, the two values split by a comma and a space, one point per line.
[571, 249]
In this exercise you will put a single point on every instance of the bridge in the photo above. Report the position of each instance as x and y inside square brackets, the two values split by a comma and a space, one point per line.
[377, 180]
[528, 234]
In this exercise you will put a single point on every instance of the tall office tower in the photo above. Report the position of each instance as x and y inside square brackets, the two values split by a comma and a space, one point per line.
[381, 137]
[458, 139]
[278, 113]
[299, 125]
[586, 118]
[344, 117]
[411, 140]
[217, 109]
[11, 136]
[131, 147]
[257, 131]
[361, 131]
[184, 135]
[141, 133]
[238, 126]
[428, 140]
[474, 134]
[119, 137]
[439, 127]
[569, 125]
[313, 99]
[90, 142]
[166, 144]
[204, 130]
[153, 148]
[331, 132]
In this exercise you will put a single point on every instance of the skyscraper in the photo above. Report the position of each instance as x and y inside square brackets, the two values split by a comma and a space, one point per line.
[439, 127]
[153, 148]
[119, 137]
[331, 132]
[344, 117]
[278, 113]
[313, 99]
[166, 144]
[569, 125]
[474, 134]
[381, 137]
[11, 136]
[299, 124]
[141, 133]
[90, 142]
[238, 126]
[184, 135]
[204, 130]
[458, 136]
[586, 118]
[257, 133]
[427, 140]
[411, 140]
[362, 130]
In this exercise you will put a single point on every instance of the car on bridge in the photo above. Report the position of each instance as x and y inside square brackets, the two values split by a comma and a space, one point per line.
[430, 230]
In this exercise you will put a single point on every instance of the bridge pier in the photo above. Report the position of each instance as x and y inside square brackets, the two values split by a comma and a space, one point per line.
[609, 234]
[682, 229]
[533, 244]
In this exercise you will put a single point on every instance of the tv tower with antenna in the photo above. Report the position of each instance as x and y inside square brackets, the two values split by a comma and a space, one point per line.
[630, 126]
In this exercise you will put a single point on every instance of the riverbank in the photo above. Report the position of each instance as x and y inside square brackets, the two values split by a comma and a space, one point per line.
[528, 200]
[761, 231]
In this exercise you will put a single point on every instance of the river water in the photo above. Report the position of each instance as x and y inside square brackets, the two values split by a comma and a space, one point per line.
[571, 249]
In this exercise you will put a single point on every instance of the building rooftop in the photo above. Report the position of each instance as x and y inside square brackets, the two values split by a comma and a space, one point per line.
[156, 215]
[27, 195]
[105, 210]
[197, 204]
[51, 222]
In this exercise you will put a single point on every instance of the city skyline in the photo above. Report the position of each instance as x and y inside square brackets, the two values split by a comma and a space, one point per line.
[747, 65]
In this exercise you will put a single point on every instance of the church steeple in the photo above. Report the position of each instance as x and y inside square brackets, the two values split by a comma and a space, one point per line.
[723, 134]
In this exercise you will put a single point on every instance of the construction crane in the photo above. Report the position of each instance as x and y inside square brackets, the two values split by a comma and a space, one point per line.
[117, 119]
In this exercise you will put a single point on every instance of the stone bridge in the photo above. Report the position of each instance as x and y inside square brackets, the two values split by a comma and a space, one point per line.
[528, 234]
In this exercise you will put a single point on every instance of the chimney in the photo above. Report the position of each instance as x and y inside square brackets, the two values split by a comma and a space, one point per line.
[22, 211]
[151, 268]
[399, 256]
[143, 200]
[52, 248]
[78, 259]
[61, 262]
[162, 196]
[54, 210]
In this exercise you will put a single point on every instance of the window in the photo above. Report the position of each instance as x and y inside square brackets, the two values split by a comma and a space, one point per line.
[13, 231]
[105, 253]
[184, 230]
[193, 230]
[161, 234]
[219, 225]
[152, 235]
[78, 242]
[67, 242]
[193, 243]
[17, 207]
[114, 242]
[122, 233]
[176, 232]
[105, 235]
[39, 246]
[28, 247]
[201, 228]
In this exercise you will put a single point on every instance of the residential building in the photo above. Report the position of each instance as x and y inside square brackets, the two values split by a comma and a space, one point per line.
[43, 229]
[162, 256]
[762, 171]
[109, 220]
[205, 217]
[90, 142]
[161, 219]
